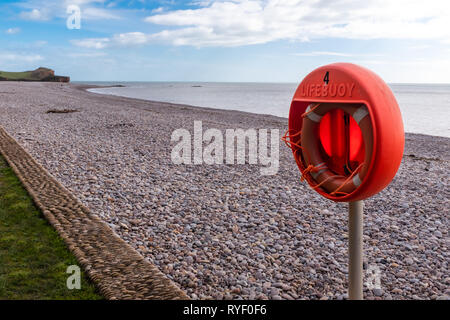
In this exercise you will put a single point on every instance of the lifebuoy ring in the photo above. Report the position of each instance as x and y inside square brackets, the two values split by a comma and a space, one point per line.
[312, 156]
[352, 152]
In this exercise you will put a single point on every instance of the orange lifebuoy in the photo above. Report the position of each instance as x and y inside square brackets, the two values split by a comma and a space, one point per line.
[349, 144]
[312, 155]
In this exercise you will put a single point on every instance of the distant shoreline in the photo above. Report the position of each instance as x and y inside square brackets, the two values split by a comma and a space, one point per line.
[76, 82]
[87, 87]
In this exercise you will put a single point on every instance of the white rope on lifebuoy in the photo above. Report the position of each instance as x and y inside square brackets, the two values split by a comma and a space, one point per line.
[316, 165]
[359, 114]
[313, 116]
[318, 173]
[357, 180]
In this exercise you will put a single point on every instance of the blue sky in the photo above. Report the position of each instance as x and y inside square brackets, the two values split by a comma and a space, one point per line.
[227, 40]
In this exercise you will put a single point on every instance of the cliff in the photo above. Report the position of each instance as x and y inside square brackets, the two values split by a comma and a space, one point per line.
[40, 74]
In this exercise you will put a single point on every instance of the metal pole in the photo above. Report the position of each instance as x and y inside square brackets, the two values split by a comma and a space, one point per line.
[355, 250]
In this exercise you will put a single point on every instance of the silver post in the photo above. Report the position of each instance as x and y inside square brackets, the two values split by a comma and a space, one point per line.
[355, 250]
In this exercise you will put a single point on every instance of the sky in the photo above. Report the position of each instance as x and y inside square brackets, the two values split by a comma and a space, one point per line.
[404, 41]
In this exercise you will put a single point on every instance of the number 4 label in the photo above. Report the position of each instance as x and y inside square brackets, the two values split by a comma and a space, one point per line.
[326, 79]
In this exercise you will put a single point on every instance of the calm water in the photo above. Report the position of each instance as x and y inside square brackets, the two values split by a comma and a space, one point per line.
[425, 107]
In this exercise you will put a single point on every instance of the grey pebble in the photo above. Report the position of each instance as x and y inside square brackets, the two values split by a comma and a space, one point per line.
[214, 227]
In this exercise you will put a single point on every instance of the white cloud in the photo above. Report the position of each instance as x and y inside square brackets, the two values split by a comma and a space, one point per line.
[335, 54]
[420, 47]
[158, 10]
[122, 39]
[95, 43]
[13, 30]
[35, 15]
[87, 54]
[39, 10]
[82, 2]
[130, 38]
[244, 22]
[40, 43]
[97, 13]
[324, 53]
[6, 56]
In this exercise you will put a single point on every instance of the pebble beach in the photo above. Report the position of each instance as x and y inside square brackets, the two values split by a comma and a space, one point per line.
[226, 231]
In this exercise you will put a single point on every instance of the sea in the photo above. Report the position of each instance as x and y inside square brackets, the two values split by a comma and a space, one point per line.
[425, 108]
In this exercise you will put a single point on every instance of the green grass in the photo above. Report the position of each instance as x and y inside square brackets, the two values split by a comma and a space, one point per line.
[16, 75]
[33, 258]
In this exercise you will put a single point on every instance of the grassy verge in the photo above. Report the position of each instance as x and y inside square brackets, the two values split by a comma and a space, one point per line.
[33, 258]
[15, 75]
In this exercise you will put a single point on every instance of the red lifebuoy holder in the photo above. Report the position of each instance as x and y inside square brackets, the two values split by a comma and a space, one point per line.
[346, 132]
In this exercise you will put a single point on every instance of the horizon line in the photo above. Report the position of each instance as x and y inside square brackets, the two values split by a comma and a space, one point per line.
[258, 82]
